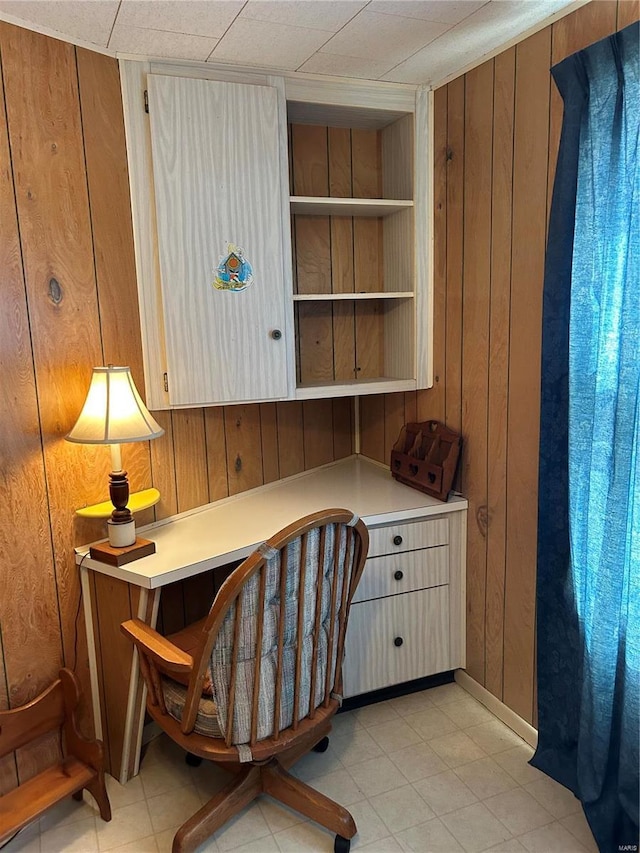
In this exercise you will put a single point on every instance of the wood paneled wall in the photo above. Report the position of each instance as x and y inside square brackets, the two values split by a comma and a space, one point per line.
[69, 302]
[497, 131]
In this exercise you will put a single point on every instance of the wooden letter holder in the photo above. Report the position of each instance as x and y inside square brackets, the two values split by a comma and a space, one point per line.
[425, 456]
[81, 767]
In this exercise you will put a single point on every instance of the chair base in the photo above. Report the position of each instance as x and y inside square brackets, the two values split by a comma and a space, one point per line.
[251, 781]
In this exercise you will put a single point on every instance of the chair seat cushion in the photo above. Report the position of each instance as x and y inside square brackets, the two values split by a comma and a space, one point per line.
[175, 696]
[187, 640]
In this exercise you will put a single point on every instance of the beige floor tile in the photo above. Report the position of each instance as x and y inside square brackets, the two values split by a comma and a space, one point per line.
[445, 792]
[77, 837]
[305, 837]
[493, 736]
[162, 749]
[124, 795]
[344, 724]
[475, 828]
[412, 703]
[127, 824]
[161, 776]
[27, 841]
[246, 827]
[377, 776]
[418, 761]
[555, 798]
[431, 723]
[385, 845]
[515, 762]
[356, 747]
[446, 693]
[277, 815]
[430, 837]
[467, 712]
[456, 749]
[173, 808]
[579, 828]
[401, 808]
[164, 839]
[510, 846]
[486, 778]
[68, 811]
[316, 764]
[208, 779]
[370, 826]
[553, 838]
[141, 845]
[519, 811]
[340, 787]
[266, 844]
[374, 715]
[393, 736]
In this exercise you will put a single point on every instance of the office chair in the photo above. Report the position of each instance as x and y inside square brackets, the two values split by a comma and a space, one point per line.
[265, 676]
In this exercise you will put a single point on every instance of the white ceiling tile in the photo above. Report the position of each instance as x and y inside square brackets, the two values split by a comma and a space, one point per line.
[267, 44]
[328, 15]
[146, 42]
[495, 24]
[440, 11]
[85, 20]
[198, 17]
[386, 38]
[344, 66]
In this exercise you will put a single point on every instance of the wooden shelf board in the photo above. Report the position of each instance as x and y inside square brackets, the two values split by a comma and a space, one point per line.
[354, 388]
[137, 502]
[323, 206]
[346, 297]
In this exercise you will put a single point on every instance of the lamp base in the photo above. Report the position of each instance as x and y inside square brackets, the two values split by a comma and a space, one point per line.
[106, 553]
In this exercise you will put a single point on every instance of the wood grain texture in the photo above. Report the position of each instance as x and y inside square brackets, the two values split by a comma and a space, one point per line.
[216, 442]
[290, 438]
[530, 164]
[244, 448]
[269, 440]
[475, 347]
[190, 458]
[318, 442]
[501, 190]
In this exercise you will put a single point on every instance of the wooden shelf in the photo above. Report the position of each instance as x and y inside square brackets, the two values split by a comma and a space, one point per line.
[321, 206]
[354, 388]
[350, 297]
[137, 502]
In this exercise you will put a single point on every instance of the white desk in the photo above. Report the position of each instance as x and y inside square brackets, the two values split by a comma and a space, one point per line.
[229, 529]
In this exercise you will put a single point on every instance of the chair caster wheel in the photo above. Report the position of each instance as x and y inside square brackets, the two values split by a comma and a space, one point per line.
[193, 760]
[322, 746]
[341, 845]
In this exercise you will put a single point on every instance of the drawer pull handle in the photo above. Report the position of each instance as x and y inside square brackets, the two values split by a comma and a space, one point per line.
[398, 641]
[397, 540]
[398, 575]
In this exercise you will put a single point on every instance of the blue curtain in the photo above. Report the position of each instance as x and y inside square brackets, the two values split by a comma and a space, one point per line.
[588, 586]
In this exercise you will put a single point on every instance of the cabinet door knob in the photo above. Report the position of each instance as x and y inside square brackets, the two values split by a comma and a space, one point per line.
[276, 334]
[398, 641]
[397, 540]
[398, 575]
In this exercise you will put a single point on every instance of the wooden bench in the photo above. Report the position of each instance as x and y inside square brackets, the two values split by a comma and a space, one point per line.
[81, 767]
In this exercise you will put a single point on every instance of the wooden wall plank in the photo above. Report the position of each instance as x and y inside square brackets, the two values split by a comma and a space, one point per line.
[455, 257]
[372, 427]
[163, 467]
[244, 448]
[190, 458]
[216, 440]
[628, 13]
[342, 427]
[57, 254]
[269, 438]
[501, 192]
[290, 438]
[475, 347]
[530, 163]
[318, 441]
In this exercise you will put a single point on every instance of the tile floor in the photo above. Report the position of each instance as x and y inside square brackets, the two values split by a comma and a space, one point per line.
[432, 772]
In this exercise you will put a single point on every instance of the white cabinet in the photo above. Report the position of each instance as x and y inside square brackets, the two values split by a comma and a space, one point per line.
[407, 616]
[326, 189]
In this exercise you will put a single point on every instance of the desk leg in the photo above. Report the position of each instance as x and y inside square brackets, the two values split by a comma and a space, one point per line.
[88, 606]
[148, 606]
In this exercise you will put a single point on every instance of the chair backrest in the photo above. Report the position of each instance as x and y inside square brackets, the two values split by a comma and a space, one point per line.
[277, 627]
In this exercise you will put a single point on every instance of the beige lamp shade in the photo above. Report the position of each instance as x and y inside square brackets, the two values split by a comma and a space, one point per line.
[113, 412]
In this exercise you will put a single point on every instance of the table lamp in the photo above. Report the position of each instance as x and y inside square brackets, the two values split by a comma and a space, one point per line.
[114, 414]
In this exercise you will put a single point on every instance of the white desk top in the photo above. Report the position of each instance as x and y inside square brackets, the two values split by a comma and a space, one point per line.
[230, 529]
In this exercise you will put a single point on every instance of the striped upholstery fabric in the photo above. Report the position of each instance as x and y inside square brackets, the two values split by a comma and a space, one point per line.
[175, 695]
[306, 597]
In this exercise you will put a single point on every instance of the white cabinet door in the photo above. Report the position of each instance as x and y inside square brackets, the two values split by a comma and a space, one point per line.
[216, 165]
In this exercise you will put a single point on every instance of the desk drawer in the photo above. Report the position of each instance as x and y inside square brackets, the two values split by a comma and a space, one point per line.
[404, 572]
[374, 657]
[408, 536]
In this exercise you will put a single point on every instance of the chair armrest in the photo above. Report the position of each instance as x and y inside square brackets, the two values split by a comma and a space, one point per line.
[167, 657]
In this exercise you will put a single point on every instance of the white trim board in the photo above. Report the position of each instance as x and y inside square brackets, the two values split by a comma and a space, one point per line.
[498, 709]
